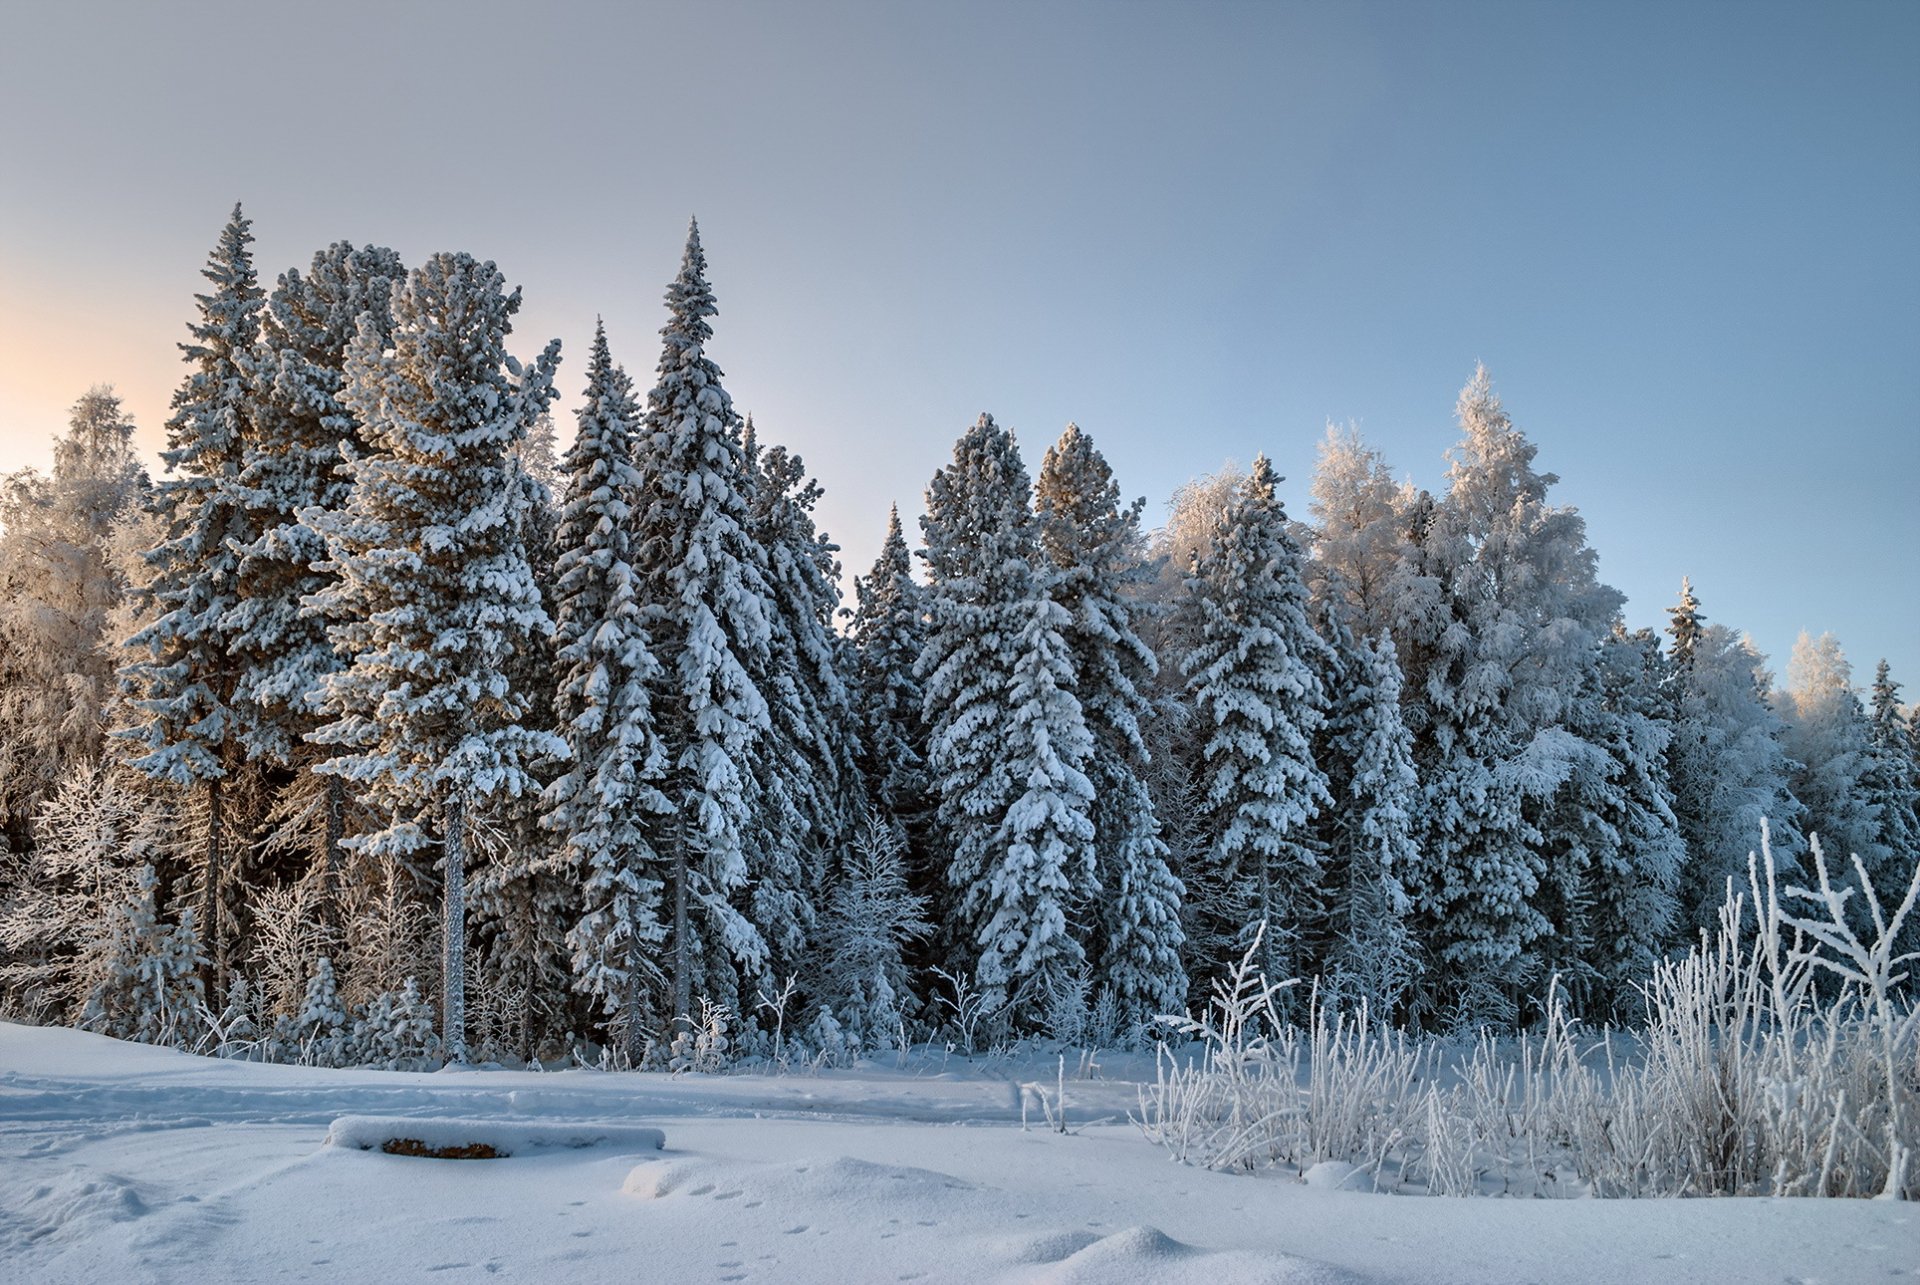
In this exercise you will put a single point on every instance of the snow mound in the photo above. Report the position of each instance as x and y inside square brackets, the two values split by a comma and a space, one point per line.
[1336, 1175]
[71, 1206]
[1148, 1256]
[841, 1181]
[502, 1137]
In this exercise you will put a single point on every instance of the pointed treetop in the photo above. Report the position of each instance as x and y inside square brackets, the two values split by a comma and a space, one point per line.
[1262, 483]
[689, 301]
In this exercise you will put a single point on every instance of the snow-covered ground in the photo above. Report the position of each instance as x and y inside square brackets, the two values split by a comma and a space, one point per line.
[121, 1162]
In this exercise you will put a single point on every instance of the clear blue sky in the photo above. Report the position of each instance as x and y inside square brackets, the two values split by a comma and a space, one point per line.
[1682, 236]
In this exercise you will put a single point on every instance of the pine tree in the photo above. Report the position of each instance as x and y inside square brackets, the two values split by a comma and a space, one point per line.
[609, 801]
[705, 585]
[185, 682]
[1253, 675]
[291, 469]
[1095, 550]
[1008, 743]
[434, 598]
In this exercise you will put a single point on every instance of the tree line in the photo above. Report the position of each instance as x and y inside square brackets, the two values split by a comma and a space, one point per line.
[378, 729]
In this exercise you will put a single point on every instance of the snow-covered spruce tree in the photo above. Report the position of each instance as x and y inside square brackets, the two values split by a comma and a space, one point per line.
[870, 918]
[608, 804]
[1889, 782]
[1830, 739]
[705, 588]
[184, 674]
[1366, 833]
[1726, 765]
[59, 583]
[1613, 847]
[522, 902]
[888, 633]
[149, 985]
[1500, 615]
[434, 598]
[1096, 552]
[806, 768]
[1253, 675]
[290, 470]
[1008, 743]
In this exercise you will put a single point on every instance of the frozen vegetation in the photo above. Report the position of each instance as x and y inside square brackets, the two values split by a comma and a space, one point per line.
[388, 734]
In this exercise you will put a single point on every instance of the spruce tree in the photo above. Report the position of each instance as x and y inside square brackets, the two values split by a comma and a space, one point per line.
[608, 804]
[1727, 767]
[433, 598]
[705, 587]
[1008, 742]
[888, 632]
[1829, 737]
[1095, 549]
[185, 674]
[807, 766]
[1254, 679]
[1501, 614]
[1889, 782]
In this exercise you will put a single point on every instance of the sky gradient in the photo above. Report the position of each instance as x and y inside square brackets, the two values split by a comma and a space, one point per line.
[1682, 238]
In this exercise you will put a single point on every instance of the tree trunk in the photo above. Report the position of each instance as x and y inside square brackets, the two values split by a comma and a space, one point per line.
[214, 973]
[453, 932]
[682, 964]
[336, 807]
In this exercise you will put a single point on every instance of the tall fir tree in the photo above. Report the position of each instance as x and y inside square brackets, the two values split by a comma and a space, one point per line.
[1095, 549]
[705, 586]
[1008, 742]
[1254, 678]
[1830, 739]
[888, 632]
[807, 767]
[433, 598]
[608, 804]
[1501, 614]
[184, 683]
[1726, 765]
[1890, 782]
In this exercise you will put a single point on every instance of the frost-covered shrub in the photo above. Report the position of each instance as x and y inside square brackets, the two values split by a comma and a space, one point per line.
[1747, 1076]
[395, 1033]
[149, 988]
[316, 1033]
[704, 1045]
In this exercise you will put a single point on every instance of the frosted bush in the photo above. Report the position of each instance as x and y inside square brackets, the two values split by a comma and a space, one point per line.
[1779, 1057]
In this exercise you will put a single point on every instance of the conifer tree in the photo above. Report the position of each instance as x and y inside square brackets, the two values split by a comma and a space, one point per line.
[1726, 765]
[1502, 615]
[1367, 831]
[291, 471]
[1829, 737]
[434, 598]
[1254, 680]
[706, 590]
[1890, 783]
[185, 674]
[807, 766]
[1008, 743]
[608, 804]
[1095, 549]
[889, 631]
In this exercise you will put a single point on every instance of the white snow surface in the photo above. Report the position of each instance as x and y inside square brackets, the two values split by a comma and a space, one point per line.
[122, 1162]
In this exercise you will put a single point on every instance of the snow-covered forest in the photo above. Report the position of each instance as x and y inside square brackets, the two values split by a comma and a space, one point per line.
[396, 722]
